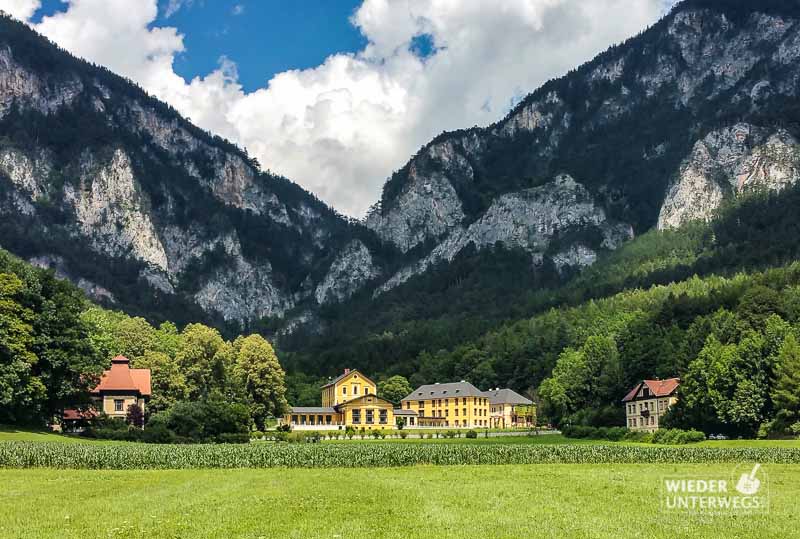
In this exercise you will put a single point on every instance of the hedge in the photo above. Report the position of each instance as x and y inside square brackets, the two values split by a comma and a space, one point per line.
[269, 455]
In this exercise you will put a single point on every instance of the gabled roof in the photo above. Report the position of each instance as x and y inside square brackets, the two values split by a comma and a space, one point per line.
[658, 388]
[506, 396]
[122, 378]
[341, 405]
[443, 391]
[346, 373]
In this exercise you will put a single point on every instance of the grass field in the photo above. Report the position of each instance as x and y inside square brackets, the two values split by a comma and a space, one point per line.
[14, 434]
[564, 501]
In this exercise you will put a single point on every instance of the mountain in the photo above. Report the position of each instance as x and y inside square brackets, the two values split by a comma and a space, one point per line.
[683, 122]
[655, 132]
[118, 192]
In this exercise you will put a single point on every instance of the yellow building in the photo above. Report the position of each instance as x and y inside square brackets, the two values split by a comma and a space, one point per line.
[458, 404]
[347, 401]
[648, 401]
[509, 409]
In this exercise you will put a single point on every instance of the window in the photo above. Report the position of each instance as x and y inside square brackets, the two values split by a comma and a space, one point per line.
[344, 390]
[464, 400]
[294, 419]
[369, 417]
[382, 416]
[464, 412]
[328, 419]
[355, 390]
[446, 412]
[356, 416]
[118, 405]
[456, 411]
[408, 405]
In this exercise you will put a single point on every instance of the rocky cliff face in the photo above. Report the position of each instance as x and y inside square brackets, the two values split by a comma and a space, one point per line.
[175, 210]
[729, 162]
[531, 219]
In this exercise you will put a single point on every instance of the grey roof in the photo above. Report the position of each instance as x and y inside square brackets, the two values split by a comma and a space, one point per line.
[312, 410]
[400, 411]
[441, 391]
[506, 396]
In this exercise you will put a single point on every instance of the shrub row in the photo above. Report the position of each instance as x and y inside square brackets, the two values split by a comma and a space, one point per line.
[269, 455]
[615, 434]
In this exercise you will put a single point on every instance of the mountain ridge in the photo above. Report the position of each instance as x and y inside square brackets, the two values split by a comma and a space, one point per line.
[118, 192]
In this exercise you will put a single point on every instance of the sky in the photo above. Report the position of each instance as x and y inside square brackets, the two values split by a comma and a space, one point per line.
[337, 94]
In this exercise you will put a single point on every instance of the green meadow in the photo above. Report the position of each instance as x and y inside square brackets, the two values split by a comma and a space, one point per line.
[559, 501]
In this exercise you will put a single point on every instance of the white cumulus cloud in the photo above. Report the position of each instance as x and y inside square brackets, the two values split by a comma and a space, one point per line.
[21, 9]
[341, 128]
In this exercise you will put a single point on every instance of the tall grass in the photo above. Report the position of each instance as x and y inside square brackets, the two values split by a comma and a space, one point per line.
[265, 455]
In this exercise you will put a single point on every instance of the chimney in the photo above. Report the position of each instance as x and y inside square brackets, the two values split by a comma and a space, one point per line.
[347, 371]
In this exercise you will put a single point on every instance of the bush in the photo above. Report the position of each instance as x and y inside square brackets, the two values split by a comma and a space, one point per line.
[472, 434]
[403, 434]
[256, 435]
[158, 434]
[677, 436]
[209, 421]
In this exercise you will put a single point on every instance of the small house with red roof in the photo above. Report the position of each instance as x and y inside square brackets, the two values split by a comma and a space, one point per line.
[120, 387]
[648, 401]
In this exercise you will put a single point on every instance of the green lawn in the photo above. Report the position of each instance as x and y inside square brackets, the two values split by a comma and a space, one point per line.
[14, 434]
[563, 501]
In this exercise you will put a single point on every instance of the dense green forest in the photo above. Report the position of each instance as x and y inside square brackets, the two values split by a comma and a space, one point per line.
[54, 345]
[480, 297]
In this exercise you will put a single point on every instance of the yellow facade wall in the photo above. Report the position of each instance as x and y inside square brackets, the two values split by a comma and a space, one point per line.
[110, 408]
[645, 414]
[468, 412]
[352, 386]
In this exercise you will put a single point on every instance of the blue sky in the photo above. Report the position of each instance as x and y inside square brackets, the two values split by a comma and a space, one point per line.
[263, 37]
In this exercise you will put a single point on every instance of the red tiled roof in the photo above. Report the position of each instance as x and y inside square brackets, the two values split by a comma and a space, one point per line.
[658, 388]
[122, 378]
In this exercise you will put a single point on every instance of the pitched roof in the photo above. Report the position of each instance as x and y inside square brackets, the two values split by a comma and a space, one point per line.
[122, 378]
[347, 372]
[312, 410]
[506, 396]
[658, 388]
[400, 411]
[373, 398]
[440, 391]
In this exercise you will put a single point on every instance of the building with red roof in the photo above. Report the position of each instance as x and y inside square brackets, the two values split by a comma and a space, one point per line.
[119, 387]
[646, 403]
